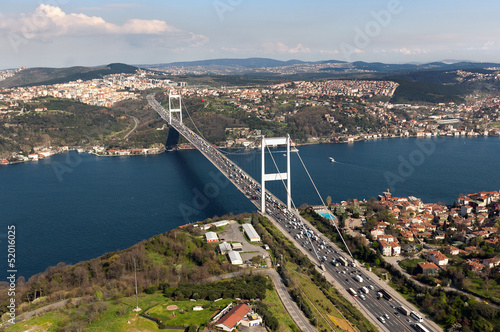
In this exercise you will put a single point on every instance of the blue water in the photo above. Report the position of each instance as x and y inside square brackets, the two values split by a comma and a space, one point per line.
[73, 207]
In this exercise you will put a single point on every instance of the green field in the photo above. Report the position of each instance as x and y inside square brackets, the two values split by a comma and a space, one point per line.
[184, 315]
[119, 315]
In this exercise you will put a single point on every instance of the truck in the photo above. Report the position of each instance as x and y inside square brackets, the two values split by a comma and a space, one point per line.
[364, 289]
[343, 261]
[404, 311]
[353, 292]
[386, 294]
[358, 278]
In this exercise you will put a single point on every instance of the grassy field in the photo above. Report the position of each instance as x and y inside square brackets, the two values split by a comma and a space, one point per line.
[120, 316]
[407, 263]
[184, 315]
[276, 307]
[46, 322]
[485, 288]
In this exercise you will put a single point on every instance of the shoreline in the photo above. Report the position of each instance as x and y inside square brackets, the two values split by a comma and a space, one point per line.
[59, 150]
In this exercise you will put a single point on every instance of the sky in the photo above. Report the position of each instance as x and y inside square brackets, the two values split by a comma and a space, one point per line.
[62, 33]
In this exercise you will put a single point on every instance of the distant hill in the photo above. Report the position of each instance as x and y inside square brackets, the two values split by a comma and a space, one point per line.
[252, 63]
[47, 76]
[245, 63]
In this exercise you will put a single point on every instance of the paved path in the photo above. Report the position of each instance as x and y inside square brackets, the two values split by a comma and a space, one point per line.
[136, 120]
[48, 307]
[291, 306]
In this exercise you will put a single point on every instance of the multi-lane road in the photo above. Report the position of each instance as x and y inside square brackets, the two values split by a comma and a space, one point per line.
[382, 312]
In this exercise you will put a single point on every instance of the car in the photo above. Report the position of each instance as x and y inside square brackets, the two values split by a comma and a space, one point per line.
[392, 306]
[386, 316]
[380, 318]
[347, 279]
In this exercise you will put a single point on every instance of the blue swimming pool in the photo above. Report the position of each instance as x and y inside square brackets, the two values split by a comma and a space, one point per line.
[327, 215]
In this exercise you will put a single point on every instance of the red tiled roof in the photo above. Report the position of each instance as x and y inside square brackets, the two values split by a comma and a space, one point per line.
[427, 265]
[234, 315]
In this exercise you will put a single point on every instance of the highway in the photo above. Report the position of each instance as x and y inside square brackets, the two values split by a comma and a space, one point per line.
[372, 306]
[320, 250]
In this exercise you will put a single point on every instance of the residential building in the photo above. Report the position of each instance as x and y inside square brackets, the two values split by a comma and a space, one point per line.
[474, 265]
[428, 268]
[451, 250]
[385, 248]
[396, 249]
[438, 258]
[233, 318]
[376, 232]
[388, 238]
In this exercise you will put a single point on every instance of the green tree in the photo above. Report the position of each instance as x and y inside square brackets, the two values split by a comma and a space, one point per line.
[98, 295]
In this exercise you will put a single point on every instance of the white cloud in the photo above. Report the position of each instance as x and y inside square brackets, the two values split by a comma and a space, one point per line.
[330, 52]
[299, 49]
[407, 51]
[403, 50]
[488, 45]
[49, 21]
[279, 47]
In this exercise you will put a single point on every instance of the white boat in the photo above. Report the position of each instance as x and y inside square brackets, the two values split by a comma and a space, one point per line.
[331, 159]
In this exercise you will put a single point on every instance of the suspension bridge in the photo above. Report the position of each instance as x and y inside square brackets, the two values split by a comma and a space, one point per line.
[269, 205]
[256, 192]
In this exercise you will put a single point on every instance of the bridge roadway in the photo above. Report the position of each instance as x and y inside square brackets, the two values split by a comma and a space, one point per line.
[296, 228]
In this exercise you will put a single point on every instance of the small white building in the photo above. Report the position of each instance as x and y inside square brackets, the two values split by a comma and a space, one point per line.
[237, 246]
[217, 224]
[235, 258]
[251, 233]
[225, 247]
[211, 237]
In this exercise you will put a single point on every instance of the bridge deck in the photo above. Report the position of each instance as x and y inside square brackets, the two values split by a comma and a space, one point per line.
[242, 180]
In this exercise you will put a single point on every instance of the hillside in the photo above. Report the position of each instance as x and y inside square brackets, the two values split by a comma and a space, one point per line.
[179, 268]
[47, 76]
[63, 122]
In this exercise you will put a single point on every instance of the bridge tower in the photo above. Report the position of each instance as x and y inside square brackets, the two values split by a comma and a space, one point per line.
[173, 108]
[274, 141]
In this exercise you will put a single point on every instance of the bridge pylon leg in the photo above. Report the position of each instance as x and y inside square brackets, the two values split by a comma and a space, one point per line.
[275, 141]
[173, 108]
